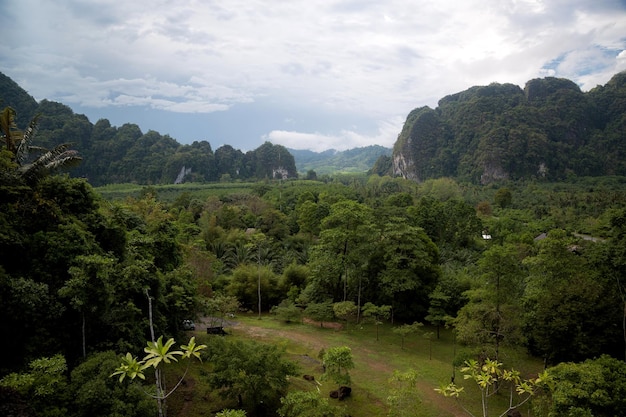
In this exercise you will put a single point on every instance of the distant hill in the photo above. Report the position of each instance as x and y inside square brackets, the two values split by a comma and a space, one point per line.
[125, 154]
[332, 161]
[550, 129]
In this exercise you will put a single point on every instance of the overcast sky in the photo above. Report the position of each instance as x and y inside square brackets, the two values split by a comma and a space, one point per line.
[306, 74]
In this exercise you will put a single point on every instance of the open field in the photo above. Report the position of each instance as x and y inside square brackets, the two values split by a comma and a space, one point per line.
[375, 362]
[170, 192]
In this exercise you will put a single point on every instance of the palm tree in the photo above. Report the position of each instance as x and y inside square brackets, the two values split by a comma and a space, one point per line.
[18, 144]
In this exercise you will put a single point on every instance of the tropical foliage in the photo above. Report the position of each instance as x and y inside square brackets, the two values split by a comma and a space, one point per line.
[525, 266]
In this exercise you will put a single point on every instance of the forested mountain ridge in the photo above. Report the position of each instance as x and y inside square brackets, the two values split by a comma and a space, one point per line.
[550, 129]
[330, 161]
[126, 154]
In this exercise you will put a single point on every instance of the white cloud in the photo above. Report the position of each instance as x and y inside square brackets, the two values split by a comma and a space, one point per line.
[385, 135]
[380, 58]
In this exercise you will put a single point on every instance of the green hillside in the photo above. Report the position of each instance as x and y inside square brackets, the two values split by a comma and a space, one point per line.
[357, 160]
[548, 130]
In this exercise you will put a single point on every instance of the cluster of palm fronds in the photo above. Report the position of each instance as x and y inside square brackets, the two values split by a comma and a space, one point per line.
[19, 145]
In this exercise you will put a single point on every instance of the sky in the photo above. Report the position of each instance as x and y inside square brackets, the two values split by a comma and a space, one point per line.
[305, 74]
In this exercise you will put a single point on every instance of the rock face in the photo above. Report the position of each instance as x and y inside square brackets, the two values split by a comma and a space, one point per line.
[550, 129]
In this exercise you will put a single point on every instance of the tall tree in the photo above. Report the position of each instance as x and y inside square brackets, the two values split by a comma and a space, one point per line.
[410, 268]
[614, 259]
[89, 289]
[570, 309]
[492, 316]
[341, 250]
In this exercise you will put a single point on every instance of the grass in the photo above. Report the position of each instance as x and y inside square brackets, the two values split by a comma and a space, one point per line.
[170, 192]
[375, 362]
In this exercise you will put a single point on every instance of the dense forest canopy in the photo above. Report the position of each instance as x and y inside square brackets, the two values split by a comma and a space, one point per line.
[512, 268]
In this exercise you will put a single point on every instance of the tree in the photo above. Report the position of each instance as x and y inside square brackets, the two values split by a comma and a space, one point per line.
[43, 385]
[11, 136]
[337, 363]
[310, 215]
[342, 249]
[18, 143]
[614, 259]
[407, 329]
[437, 315]
[491, 378]
[95, 394]
[89, 289]
[595, 387]
[220, 306]
[320, 312]
[158, 355]
[307, 404]
[410, 268]
[493, 314]
[231, 413]
[259, 240]
[246, 281]
[287, 311]
[403, 399]
[253, 374]
[572, 310]
[376, 314]
[503, 197]
[294, 279]
[345, 310]
[311, 175]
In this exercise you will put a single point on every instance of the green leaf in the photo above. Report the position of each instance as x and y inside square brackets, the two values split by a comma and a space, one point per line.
[130, 367]
[192, 349]
[158, 352]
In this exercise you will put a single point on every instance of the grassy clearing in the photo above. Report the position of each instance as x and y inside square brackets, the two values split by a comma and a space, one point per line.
[375, 363]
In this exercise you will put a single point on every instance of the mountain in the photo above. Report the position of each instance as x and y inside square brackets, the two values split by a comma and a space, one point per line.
[126, 154]
[550, 129]
[331, 161]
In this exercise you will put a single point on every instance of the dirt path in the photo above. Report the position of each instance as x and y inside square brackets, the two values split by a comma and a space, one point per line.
[315, 343]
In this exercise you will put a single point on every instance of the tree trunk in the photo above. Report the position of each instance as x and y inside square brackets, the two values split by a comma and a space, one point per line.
[358, 311]
[157, 373]
[259, 281]
[84, 341]
[624, 329]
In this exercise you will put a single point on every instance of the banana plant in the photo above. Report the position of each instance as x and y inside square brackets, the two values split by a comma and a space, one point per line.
[19, 144]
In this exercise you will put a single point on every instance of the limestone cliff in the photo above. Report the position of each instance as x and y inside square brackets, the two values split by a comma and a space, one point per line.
[549, 129]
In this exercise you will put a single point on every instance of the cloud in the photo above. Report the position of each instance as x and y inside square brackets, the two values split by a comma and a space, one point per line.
[385, 135]
[377, 58]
